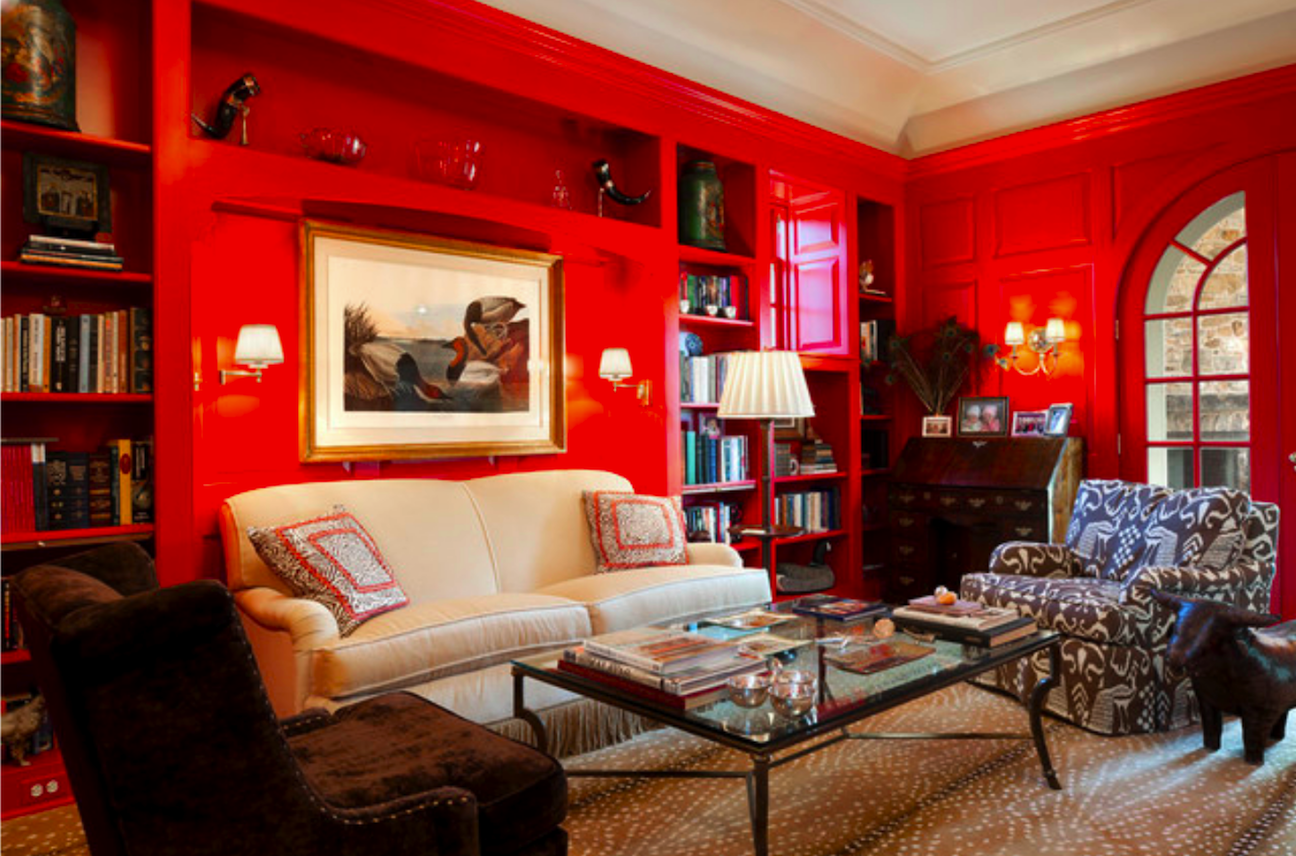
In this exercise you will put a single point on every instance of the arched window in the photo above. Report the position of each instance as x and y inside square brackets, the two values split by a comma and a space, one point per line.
[1197, 369]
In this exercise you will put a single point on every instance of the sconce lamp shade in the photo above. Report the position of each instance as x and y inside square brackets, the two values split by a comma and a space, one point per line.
[765, 385]
[615, 364]
[1014, 333]
[258, 346]
[1055, 331]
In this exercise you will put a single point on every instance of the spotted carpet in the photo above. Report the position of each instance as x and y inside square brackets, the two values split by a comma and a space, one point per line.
[1148, 795]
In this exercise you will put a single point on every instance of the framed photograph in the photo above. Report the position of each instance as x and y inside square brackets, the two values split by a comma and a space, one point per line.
[983, 416]
[422, 347]
[65, 194]
[938, 426]
[1029, 423]
[1059, 420]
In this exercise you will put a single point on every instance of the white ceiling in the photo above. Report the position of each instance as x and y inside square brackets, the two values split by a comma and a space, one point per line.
[919, 76]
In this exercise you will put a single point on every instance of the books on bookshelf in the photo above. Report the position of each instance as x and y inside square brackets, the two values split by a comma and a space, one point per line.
[712, 520]
[838, 608]
[874, 338]
[46, 489]
[809, 510]
[108, 352]
[718, 295]
[12, 638]
[702, 377]
[816, 457]
[992, 627]
[68, 252]
[711, 457]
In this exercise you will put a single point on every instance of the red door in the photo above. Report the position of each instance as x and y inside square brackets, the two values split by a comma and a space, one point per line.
[1202, 363]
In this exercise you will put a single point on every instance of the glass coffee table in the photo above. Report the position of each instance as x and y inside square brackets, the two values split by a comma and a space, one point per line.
[844, 698]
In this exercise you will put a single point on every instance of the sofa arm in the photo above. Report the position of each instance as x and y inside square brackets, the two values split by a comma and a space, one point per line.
[1030, 559]
[705, 553]
[285, 632]
[1226, 585]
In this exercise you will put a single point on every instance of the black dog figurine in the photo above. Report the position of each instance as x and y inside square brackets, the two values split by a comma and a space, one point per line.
[1236, 667]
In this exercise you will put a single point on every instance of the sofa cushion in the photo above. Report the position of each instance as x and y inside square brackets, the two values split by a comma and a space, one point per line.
[410, 745]
[430, 640]
[1202, 527]
[629, 530]
[334, 561]
[1082, 607]
[1108, 522]
[654, 595]
[535, 524]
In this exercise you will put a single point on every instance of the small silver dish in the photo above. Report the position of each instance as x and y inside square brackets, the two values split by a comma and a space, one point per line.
[793, 699]
[748, 690]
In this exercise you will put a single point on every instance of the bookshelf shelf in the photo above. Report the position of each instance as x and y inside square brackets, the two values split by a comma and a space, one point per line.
[717, 487]
[20, 136]
[875, 417]
[50, 275]
[76, 398]
[809, 477]
[812, 536]
[868, 297]
[715, 258]
[699, 405]
[876, 472]
[74, 537]
[710, 321]
[10, 658]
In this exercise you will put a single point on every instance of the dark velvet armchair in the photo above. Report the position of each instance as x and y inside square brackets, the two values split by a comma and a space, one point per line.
[172, 747]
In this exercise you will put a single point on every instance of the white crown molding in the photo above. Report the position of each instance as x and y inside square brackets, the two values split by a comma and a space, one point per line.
[853, 29]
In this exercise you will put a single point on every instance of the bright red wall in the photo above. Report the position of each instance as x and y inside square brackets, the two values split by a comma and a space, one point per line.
[538, 100]
[1045, 222]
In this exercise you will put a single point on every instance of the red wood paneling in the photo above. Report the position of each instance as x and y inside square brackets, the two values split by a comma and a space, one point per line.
[947, 232]
[1044, 215]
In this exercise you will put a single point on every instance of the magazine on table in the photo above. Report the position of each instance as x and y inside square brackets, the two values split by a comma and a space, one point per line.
[837, 608]
[752, 619]
[662, 651]
[876, 656]
[987, 618]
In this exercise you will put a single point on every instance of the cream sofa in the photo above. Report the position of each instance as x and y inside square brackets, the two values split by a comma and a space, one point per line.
[495, 568]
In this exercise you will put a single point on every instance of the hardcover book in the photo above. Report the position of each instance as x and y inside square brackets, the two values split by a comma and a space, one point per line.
[661, 651]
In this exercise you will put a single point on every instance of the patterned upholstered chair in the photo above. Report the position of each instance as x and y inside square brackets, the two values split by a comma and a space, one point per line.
[1125, 540]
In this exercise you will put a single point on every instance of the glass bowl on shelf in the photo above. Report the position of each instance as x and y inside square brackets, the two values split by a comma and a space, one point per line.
[456, 163]
[334, 145]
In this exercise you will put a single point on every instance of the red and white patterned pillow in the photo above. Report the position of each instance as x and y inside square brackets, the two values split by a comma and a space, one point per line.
[332, 560]
[629, 530]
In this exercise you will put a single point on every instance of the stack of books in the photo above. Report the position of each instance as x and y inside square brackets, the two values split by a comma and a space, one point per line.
[817, 457]
[964, 621]
[811, 511]
[68, 252]
[674, 668]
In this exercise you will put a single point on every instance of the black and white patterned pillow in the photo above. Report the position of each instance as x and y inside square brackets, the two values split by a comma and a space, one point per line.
[1108, 523]
[332, 560]
[1201, 527]
[1261, 529]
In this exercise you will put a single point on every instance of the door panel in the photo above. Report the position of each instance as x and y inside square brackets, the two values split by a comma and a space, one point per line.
[818, 321]
[816, 281]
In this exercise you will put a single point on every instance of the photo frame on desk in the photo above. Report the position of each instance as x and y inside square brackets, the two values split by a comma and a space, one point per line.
[421, 347]
[1058, 423]
[1029, 423]
[985, 416]
[938, 426]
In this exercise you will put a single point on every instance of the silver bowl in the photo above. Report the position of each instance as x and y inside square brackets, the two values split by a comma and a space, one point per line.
[793, 699]
[748, 690]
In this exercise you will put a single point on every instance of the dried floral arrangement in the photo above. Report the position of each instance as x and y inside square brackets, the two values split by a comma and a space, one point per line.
[950, 351]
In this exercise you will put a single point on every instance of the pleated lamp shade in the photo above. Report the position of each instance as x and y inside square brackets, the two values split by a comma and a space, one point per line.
[765, 385]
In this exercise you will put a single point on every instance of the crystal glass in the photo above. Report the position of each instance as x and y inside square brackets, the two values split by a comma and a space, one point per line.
[456, 163]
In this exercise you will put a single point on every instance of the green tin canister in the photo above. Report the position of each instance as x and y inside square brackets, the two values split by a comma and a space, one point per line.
[39, 64]
[701, 206]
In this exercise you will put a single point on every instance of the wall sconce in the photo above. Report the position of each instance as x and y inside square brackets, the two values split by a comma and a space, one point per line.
[1042, 341]
[258, 346]
[615, 367]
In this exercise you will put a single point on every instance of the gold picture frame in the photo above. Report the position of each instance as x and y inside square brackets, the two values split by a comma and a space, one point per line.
[423, 347]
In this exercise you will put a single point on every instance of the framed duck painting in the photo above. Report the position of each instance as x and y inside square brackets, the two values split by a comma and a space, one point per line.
[424, 347]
